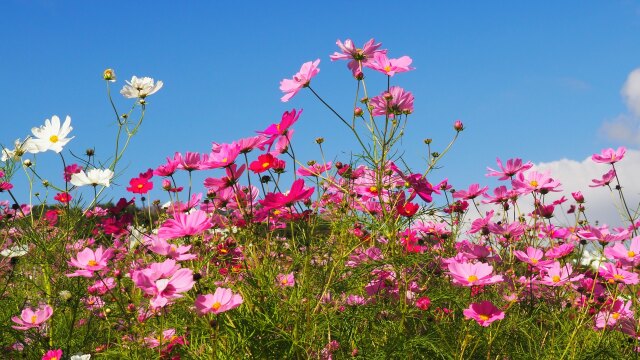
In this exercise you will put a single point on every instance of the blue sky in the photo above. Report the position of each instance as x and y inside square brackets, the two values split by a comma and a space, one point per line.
[535, 80]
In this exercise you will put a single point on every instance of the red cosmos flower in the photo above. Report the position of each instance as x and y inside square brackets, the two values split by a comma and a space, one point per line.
[141, 184]
[264, 163]
[407, 209]
[63, 197]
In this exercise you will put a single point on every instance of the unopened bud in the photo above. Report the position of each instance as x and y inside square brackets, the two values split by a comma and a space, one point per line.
[27, 163]
[358, 111]
[109, 75]
[364, 100]
[458, 125]
[319, 140]
[427, 141]
[90, 152]
[311, 162]
[359, 75]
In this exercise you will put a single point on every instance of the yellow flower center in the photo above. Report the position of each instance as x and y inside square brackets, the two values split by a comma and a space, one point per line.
[34, 319]
[373, 189]
[92, 263]
[618, 277]
[140, 186]
[534, 261]
[216, 305]
[387, 68]
[615, 315]
[484, 317]
[224, 160]
[533, 183]
[53, 138]
[265, 165]
[555, 278]
[631, 254]
[276, 212]
[284, 281]
[472, 279]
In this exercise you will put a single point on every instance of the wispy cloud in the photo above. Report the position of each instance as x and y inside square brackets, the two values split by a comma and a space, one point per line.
[625, 128]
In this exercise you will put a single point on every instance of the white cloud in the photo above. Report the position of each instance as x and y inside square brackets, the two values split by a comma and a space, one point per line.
[625, 128]
[631, 92]
[601, 204]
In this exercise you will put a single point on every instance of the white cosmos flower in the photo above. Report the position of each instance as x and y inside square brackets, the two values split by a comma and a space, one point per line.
[92, 177]
[81, 357]
[50, 136]
[15, 251]
[20, 148]
[140, 87]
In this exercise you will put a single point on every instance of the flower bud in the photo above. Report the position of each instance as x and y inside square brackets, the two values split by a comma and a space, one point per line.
[578, 197]
[458, 125]
[358, 111]
[319, 140]
[109, 75]
[427, 141]
[27, 163]
[358, 75]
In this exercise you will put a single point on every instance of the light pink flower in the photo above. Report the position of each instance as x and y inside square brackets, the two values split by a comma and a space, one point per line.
[89, 261]
[558, 275]
[618, 311]
[389, 67]
[484, 313]
[513, 167]
[467, 274]
[619, 252]
[32, 319]
[609, 156]
[161, 246]
[395, 102]
[286, 280]
[614, 274]
[163, 281]
[301, 79]
[532, 257]
[357, 56]
[221, 300]
[534, 181]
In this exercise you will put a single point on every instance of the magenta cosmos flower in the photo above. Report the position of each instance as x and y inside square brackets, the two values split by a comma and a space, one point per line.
[301, 79]
[297, 193]
[614, 274]
[88, 261]
[32, 319]
[53, 355]
[609, 156]
[606, 179]
[467, 274]
[558, 275]
[222, 300]
[395, 102]
[484, 313]
[182, 224]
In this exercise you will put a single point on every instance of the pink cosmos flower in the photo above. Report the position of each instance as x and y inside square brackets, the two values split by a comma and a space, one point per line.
[286, 280]
[222, 155]
[233, 173]
[423, 303]
[160, 246]
[89, 261]
[619, 252]
[603, 234]
[163, 281]
[32, 319]
[534, 181]
[532, 257]
[389, 67]
[558, 275]
[190, 161]
[483, 312]
[609, 156]
[297, 193]
[53, 355]
[618, 311]
[301, 79]
[357, 56]
[606, 179]
[314, 170]
[560, 251]
[513, 167]
[473, 192]
[288, 119]
[170, 167]
[222, 300]
[395, 102]
[182, 224]
[467, 274]
[614, 274]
